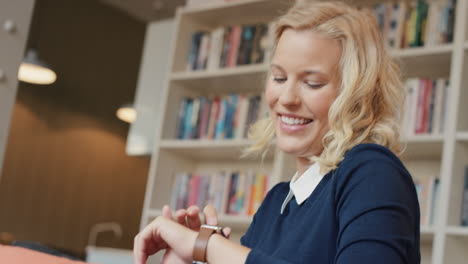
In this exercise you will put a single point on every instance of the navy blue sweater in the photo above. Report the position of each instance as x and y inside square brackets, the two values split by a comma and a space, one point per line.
[365, 211]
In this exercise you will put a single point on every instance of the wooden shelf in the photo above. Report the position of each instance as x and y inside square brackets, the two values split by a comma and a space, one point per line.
[213, 150]
[432, 61]
[422, 51]
[462, 136]
[233, 221]
[251, 11]
[457, 230]
[242, 79]
[423, 147]
[427, 233]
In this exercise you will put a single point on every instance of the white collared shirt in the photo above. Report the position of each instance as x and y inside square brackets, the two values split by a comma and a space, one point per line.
[303, 187]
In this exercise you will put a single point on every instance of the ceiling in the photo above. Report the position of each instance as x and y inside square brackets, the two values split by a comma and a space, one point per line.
[147, 10]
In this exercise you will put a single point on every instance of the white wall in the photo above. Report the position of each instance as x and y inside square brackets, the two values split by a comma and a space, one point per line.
[11, 53]
[153, 73]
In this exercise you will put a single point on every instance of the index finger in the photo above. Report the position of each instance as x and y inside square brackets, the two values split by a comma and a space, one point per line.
[210, 215]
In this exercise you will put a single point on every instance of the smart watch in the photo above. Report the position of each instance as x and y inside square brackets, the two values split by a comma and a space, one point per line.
[199, 249]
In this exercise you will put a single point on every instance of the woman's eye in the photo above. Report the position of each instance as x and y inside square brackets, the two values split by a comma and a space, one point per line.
[314, 85]
[279, 79]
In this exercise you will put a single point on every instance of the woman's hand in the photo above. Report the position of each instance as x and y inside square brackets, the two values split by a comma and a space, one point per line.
[170, 257]
[191, 217]
[164, 233]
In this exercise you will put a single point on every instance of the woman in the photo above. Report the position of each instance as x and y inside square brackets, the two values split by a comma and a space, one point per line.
[334, 98]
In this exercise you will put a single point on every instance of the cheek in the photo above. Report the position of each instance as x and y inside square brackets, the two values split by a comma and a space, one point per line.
[271, 95]
[320, 105]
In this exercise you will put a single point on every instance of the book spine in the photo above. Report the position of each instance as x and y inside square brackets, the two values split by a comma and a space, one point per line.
[438, 89]
[420, 110]
[444, 106]
[246, 44]
[234, 45]
[226, 47]
[182, 195]
[400, 32]
[427, 105]
[202, 57]
[258, 52]
[432, 103]
[464, 213]
[175, 191]
[194, 49]
[181, 119]
[213, 118]
[216, 48]
[205, 118]
[221, 119]
[435, 198]
[194, 118]
[194, 189]
[232, 193]
[188, 119]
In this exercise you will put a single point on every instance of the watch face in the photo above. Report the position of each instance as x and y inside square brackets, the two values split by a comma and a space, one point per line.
[211, 227]
[217, 229]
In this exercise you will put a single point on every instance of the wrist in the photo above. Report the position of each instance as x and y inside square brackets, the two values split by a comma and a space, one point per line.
[211, 247]
[204, 236]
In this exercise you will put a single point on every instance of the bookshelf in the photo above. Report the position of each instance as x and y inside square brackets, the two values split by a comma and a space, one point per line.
[427, 155]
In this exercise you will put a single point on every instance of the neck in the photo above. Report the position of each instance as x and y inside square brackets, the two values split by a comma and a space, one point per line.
[302, 164]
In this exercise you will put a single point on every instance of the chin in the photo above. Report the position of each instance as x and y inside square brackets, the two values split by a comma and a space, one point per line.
[290, 147]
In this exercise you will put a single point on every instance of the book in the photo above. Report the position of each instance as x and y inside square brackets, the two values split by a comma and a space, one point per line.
[234, 42]
[258, 50]
[230, 192]
[464, 212]
[424, 109]
[246, 44]
[216, 48]
[425, 190]
[194, 49]
[435, 198]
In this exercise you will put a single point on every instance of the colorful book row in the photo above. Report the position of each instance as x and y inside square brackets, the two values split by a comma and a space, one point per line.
[417, 23]
[425, 107]
[225, 117]
[427, 189]
[229, 46]
[231, 193]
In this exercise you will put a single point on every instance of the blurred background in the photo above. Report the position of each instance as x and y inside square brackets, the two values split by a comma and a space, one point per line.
[65, 165]
[80, 174]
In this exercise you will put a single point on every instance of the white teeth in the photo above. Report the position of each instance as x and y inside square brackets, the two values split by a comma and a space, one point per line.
[294, 121]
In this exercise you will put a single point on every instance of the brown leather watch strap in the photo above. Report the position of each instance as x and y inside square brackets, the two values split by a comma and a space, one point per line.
[199, 250]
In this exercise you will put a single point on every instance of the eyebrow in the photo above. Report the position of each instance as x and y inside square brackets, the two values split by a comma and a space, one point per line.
[306, 71]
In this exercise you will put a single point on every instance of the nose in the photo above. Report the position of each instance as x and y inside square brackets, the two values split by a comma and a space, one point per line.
[290, 95]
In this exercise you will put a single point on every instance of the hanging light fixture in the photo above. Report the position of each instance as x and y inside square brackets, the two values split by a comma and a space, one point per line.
[33, 70]
[127, 113]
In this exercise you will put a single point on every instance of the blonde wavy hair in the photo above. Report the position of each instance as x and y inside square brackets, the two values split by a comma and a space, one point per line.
[368, 108]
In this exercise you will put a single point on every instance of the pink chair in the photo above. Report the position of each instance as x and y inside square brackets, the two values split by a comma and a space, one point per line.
[18, 255]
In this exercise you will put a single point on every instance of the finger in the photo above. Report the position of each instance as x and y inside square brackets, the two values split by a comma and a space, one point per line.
[146, 243]
[138, 257]
[227, 232]
[193, 218]
[181, 216]
[211, 217]
[167, 212]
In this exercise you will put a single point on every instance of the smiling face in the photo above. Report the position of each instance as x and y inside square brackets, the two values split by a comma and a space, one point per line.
[303, 83]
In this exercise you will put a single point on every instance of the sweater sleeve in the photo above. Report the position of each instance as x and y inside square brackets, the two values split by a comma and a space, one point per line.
[378, 214]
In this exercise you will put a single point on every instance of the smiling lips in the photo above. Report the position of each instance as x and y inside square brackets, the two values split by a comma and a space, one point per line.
[293, 123]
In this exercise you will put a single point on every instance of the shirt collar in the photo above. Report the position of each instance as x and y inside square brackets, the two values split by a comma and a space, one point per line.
[302, 187]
